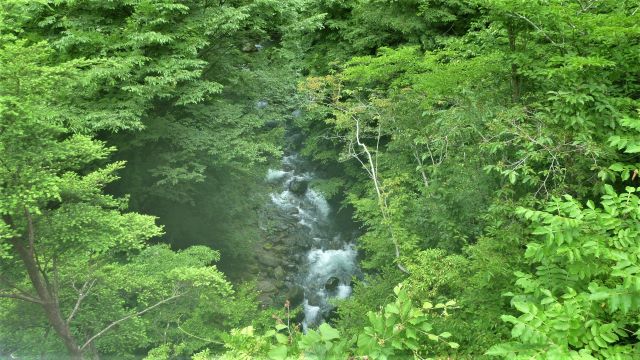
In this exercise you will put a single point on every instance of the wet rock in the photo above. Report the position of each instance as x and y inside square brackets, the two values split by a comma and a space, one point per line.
[314, 299]
[280, 249]
[265, 300]
[282, 226]
[334, 244]
[298, 186]
[299, 319]
[278, 273]
[304, 243]
[332, 315]
[295, 295]
[332, 284]
[266, 287]
[267, 259]
[295, 141]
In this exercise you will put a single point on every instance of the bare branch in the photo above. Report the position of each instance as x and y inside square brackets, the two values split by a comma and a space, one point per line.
[372, 167]
[108, 327]
[83, 292]
[535, 26]
[373, 171]
[425, 180]
[433, 161]
[378, 141]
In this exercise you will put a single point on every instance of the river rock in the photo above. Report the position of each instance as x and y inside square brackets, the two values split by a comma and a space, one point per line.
[265, 300]
[295, 295]
[279, 284]
[266, 286]
[268, 259]
[295, 141]
[282, 226]
[278, 273]
[332, 284]
[280, 239]
[314, 299]
[298, 186]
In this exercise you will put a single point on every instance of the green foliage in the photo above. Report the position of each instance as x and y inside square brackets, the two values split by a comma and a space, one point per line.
[447, 126]
[67, 247]
[398, 331]
[360, 27]
[528, 101]
[84, 246]
[373, 292]
[582, 299]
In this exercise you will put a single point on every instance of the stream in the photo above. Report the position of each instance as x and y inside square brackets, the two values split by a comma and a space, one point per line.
[327, 259]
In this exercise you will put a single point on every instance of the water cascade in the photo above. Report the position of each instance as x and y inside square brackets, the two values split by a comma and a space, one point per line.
[328, 260]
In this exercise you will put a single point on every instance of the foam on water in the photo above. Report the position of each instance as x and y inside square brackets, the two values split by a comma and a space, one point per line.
[310, 315]
[319, 202]
[283, 200]
[324, 264]
[344, 291]
[329, 257]
[276, 175]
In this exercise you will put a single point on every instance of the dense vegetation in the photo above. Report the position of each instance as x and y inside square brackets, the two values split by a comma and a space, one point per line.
[489, 149]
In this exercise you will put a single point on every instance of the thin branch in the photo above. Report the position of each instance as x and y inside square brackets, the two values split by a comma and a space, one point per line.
[21, 297]
[198, 337]
[433, 161]
[101, 332]
[378, 141]
[31, 233]
[381, 199]
[31, 237]
[534, 25]
[83, 292]
[372, 167]
[15, 287]
[420, 163]
[55, 285]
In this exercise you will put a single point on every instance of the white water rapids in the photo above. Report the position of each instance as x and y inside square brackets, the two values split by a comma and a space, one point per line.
[330, 262]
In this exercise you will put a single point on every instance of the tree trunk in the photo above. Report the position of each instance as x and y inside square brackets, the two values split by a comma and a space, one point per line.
[515, 77]
[50, 304]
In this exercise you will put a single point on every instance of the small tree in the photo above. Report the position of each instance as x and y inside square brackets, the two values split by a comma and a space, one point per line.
[63, 242]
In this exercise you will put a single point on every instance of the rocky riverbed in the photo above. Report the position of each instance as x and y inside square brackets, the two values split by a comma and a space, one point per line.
[303, 257]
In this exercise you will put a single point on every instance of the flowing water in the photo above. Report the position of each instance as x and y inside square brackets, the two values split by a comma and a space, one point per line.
[329, 262]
